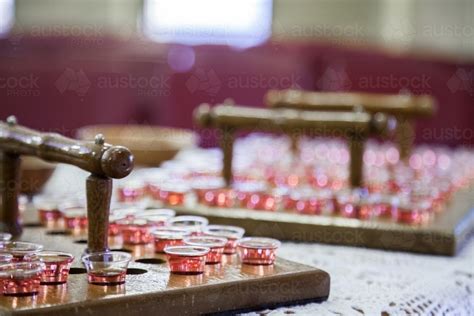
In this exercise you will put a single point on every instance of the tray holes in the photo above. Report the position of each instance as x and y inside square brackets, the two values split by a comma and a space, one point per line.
[122, 250]
[151, 261]
[358, 310]
[75, 270]
[135, 271]
[59, 233]
[81, 241]
[33, 225]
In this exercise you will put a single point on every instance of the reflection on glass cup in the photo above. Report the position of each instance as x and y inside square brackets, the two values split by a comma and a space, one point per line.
[257, 250]
[57, 265]
[186, 259]
[21, 278]
[106, 268]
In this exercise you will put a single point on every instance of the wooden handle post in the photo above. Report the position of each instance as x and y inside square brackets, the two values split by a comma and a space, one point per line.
[355, 126]
[405, 108]
[102, 160]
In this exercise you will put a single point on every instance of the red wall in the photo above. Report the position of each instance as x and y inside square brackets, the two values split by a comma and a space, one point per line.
[60, 84]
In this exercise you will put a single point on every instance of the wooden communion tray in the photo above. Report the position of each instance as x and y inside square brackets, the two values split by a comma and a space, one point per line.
[230, 287]
[443, 235]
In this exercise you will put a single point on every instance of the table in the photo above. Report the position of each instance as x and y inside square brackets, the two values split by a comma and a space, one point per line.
[363, 281]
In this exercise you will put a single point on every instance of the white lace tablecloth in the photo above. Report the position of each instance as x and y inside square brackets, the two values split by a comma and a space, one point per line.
[364, 281]
[374, 282]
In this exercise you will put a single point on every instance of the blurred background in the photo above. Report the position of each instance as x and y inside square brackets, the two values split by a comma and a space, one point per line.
[69, 63]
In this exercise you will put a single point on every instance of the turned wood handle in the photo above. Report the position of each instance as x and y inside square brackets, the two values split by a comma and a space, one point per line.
[96, 157]
[403, 107]
[102, 160]
[287, 120]
[356, 126]
[395, 104]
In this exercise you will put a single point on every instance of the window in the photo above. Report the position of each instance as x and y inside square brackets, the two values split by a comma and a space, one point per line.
[7, 13]
[236, 23]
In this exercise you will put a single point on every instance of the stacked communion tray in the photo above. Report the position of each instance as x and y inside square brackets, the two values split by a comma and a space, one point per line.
[179, 264]
[321, 178]
[76, 253]
[273, 185]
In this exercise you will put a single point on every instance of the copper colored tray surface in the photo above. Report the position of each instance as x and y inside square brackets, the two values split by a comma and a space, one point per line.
[234, 287]
[443, 235]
